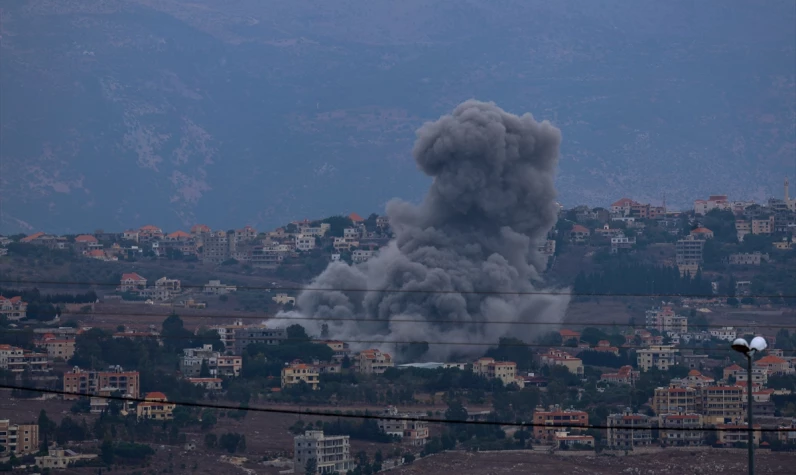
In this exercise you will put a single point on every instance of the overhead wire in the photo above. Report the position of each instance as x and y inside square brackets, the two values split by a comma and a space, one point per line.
[300, 412]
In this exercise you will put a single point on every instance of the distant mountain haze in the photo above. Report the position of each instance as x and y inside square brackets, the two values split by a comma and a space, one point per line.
[121, 113]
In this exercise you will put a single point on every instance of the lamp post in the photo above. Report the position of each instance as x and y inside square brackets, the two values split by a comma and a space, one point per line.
[740, 345]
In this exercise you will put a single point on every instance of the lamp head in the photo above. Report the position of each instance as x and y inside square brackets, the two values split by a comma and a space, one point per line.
[740, 345]
[758, 344]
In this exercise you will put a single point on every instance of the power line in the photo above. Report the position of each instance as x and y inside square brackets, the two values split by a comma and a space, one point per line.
[417, 291]
[410, 320]
[360, 416]
[415, 342]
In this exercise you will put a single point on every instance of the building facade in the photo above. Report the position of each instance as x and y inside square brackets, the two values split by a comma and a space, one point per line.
[18, 439]
[332, 454]
[628, 430]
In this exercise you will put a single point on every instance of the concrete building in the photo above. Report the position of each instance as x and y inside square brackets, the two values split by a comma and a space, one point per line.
[219, 365]
[18, 360]
[405, 426]
[721, 404]
[284, 299]
[775, 365]
[548, 422]
[361, 255]
[305, 242]
[13, 308]
[703, 207]
[724, 333]
[688, 254]
[156, 407]
[748, 258]
[340, 349]
[658, 356]
[215, 287]
[211, 384]
[620, 242]
[565, 439]
[625, 375]
[505, 371]
[665, 320]
[295, 373]
[556, 357]
[18, 439]
[57, 348]
[731, 434]
[60, 459]
[680, 429]
[628, 430]
[254, 335]
[675, 400]
[132, 282]
[372, 362]
[101, 383]
[332, 454]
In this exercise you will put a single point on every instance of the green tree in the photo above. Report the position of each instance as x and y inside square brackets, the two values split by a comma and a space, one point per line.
[211, 441]
[311, 467]
[107, 452]
[204, 372]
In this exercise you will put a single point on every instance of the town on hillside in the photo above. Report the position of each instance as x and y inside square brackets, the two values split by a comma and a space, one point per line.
[131, 331]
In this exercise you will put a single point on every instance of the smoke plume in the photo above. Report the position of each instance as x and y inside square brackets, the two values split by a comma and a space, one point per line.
[467, 255]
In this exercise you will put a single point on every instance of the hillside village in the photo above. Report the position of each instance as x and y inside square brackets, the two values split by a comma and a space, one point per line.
[660, 372]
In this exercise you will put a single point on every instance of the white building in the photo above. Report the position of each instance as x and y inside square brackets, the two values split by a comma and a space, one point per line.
[215, 287]
[724, 333]
[620, 241]
[351, 233]
[405, 426]
[748, 259]
[361, 255]
[332, 454]
[283, 299]
[305, 242]
[703, 207]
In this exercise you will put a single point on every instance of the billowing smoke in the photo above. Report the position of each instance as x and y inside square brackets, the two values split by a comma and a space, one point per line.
[464, 265]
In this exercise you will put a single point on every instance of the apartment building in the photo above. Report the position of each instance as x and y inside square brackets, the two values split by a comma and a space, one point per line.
[362, 255]
[219, 365]
[17, 360]
[748, 258]
[657, 356]
[556, 357]
[297, 372]
[372, 362]
[257, 335]
[18, 439]
[702, 207]
[763, 226]
[731, 434]
[674, 400]
[340, 349]
[688, 254]
[742, 228]
[620, 242]
[775, 365]
[625, 375]
[740, 375]
[564, 439]
[211, 384]
[332, 454]
[404, 426]
[227, 332]
[156, 407]
[548, 422]
[216, 247]
[724, 333]
[305, 242]
[13, 308]
[284, 299]
[665, 320]
[681, 429]
[505, 371]
[628, 430]
[61, 348]
[722, 404]
[101, 383]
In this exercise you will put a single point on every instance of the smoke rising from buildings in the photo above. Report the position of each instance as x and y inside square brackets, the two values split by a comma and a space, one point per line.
[492, 200]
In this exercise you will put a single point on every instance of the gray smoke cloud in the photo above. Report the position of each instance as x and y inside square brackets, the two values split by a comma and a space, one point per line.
[462, 259]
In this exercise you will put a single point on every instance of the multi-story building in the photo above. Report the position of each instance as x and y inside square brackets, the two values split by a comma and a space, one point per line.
[305, 242]
[675, 400]
[132, 282]
[775, 365]
[625, 375]
[90, 383]
[505, 371]
[155, 407]
[215, 287]
[361, 255]
[740, 375]
[763, 226]
[372, 362]
[688, 254]
[658, 356]
[19, 439]
[211, 384]
[254, 335]
[620, 242]
[405, 426]
[13, 308]
[680, 429]
[747, 258]
[547, 423]
[555, 357]
[731, 434]
[18, 360]
[340, 349]
[217, 364]
[665, 320]
[332, 454]
[149, 233]
[61, 348]
[742, 228]
[702, 207]
[721, 404]
[724, 333]
[628, 430]
[216, 247]
[297, 372]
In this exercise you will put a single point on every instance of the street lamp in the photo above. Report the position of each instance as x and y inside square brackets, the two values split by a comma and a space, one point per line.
[740, 345]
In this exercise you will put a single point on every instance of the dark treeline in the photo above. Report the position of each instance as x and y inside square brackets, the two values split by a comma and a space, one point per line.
[625, 278]
[35, 296]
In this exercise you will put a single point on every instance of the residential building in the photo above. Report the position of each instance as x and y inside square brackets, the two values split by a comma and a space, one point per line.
[60, 348]
[659, 356]
[132, 282]
[340, 349]
[563, 438]
[253, 335]
[149, 233]
[742, 228]
[555, 357]
[505, 371]
[315, 231]
[372, 362]
[675, 400]
[688, 254]
[604, 346]
[775, 365]
[405, 426]
[211, 384]
[115, 379]
[305, 242]
[739, 375]
[665, 320]
[164, 289]
[703, 207]
[724, 333]
[547, 247]
[18, 360]
[296, 372]
[722, 404]
[579, 233]
[332, 453]
[60, 459]
[628, 430]
[548, 422]
[227, 332]
[284, 299]
[361, 255]
[13, 308]
[620, 242]
[731, 434]
[567, 335]
[694, 379]
[155, 407]
[625, 375]
[701, 233]
[748, 258]
[763, 226]
[130, 235]
[18, 439]
[680, 429]
[215, 287]
[622, 207]
[217, 364]
[216, 247]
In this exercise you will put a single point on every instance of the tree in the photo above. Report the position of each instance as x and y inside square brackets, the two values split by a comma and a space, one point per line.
[107, 453]
[211, 440]
[204, 372]
[311, 468]
[456, 411]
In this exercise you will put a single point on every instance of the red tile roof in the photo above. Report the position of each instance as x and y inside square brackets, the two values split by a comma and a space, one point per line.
[701, 230]
[623, 202]
[32, 237]
[178, 235]
[770, 359]
[579, 229]
[356, 218]
[132, 276]
[155, 395]
[85, 238]
[149, 227]
[96, 253]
